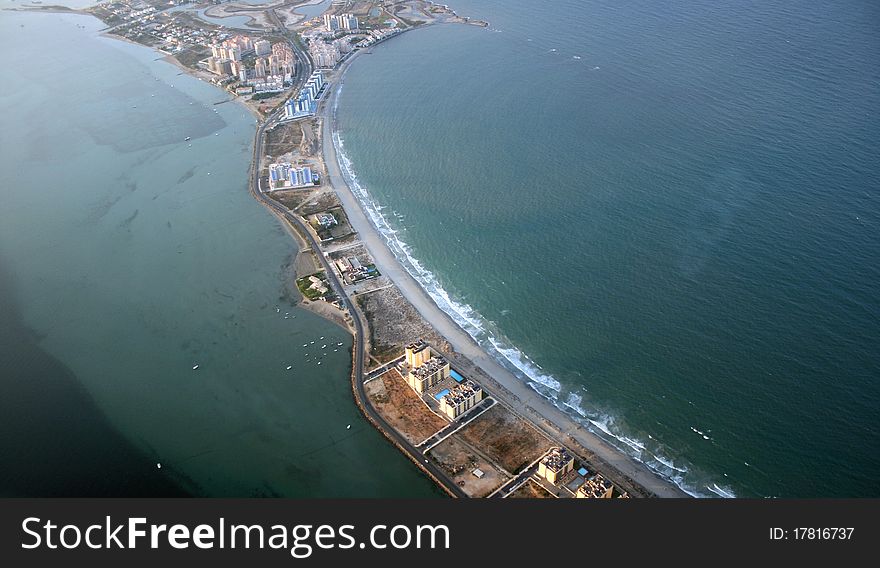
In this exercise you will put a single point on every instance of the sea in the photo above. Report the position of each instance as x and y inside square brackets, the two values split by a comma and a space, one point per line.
[663, 216]
[151, 341]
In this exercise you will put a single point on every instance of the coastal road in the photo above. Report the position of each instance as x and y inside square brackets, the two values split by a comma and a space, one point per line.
[358, 348]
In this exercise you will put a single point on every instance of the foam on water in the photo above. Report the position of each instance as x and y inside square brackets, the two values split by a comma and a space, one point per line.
[483, 332]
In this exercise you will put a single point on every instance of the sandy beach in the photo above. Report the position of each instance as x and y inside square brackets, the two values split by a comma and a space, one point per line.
[512, 391]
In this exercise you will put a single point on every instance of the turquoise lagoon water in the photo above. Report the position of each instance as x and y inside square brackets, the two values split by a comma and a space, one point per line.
[129, 255]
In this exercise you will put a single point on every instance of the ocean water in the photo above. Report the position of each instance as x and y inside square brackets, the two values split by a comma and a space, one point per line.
[663, 216]
[129, 255]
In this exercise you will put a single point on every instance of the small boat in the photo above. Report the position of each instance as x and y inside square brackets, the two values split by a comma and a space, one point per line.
[289, 367]
[158, 466]
[187, 139]
[348, 427]
[195, 367]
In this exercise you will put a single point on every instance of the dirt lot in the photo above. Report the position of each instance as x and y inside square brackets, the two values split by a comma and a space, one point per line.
[291, 198]
[319, 201]
[402, 408]
[530, 490]
[459, 459]
[505, 438]
[393, 323]
[282, 139]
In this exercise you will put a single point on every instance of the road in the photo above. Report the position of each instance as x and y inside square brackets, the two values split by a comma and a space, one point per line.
[304, 69]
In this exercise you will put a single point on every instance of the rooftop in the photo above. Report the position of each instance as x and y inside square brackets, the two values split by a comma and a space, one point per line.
[556, 459]
[460, 393]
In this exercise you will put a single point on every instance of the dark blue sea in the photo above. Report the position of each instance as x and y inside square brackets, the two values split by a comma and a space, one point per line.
[663, 215]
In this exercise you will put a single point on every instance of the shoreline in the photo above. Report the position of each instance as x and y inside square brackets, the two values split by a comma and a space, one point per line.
[504, 385]
[524, 400]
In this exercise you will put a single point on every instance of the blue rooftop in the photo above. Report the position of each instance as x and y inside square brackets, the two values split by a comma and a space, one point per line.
[458, 378]
[583, 472]
[441, 394]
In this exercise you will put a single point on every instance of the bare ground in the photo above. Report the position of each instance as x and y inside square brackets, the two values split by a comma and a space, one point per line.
[402, 408]
[506, 438]
[282, 139]
[393, 323]
[530, 490]
[291, 198]
[459, 460]
[317, 202]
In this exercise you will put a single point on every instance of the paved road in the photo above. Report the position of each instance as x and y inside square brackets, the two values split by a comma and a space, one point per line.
[483, 406]
[304, 69]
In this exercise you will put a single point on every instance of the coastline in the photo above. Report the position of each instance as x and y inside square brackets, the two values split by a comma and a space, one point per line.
[523, 400]
[506, 387]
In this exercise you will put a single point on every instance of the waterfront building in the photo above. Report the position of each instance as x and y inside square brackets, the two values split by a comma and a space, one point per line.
[417, 353]
[219, 66]
[460, 399]
[595, 488]
[556, 463]
[428, 374]
[305, 104]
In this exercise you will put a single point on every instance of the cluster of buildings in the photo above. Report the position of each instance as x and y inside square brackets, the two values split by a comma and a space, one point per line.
[338, 22]
[425, 369]
[353, 270]
[273, 64]
[142, 22]
[305, 103]
[326, 54]
[285, 176]
[377, 35]
[557, 466]
[328, 49]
